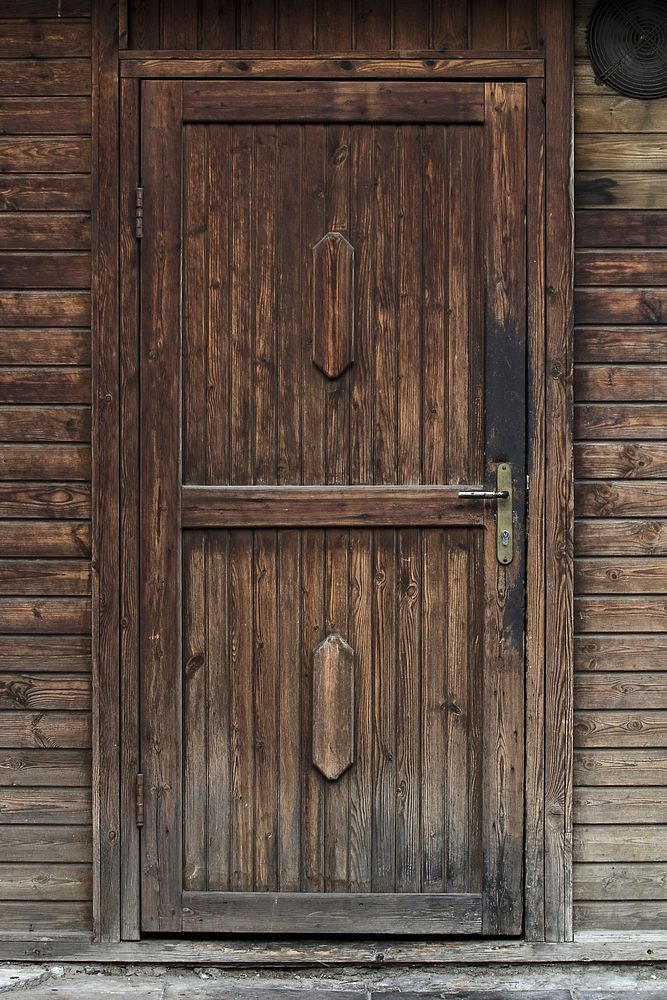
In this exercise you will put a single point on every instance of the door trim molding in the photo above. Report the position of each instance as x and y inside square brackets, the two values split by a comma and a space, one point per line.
[549, 561]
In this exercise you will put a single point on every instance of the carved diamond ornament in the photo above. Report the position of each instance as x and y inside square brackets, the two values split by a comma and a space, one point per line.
[333, 304]
[333, 706]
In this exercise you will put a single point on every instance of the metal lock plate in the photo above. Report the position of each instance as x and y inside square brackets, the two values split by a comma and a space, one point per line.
[504, 525]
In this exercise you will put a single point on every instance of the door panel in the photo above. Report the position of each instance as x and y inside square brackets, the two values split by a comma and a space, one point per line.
[404, 816]
[332, 344]
[256, 408]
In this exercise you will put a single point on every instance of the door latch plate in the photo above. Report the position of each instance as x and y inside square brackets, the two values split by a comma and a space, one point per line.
[504, 525]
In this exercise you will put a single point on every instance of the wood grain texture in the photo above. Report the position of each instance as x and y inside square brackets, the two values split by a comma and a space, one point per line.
[45, 192]
[620, 424]
[337, 101]
[160, 476]
[45, 494]
[45, 77]
[151, 65]
[248, 725]
[555, 21]
[333, 304]
[130, 865]
[105, 471]
[355, 506]
[629, 189]
[333, 706]
[331, 27]
[428, 913]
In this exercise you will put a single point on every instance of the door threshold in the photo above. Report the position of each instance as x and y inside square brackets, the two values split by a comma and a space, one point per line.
[262, 953]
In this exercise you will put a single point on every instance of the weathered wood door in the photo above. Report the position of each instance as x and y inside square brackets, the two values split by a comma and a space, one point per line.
[333, 310]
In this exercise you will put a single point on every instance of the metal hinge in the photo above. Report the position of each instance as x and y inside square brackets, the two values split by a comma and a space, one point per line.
[139, 213]
[139, 799]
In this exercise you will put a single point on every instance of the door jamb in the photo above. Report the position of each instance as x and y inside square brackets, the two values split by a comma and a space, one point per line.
[549, 564]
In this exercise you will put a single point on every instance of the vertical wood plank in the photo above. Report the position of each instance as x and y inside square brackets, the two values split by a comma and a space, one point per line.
[256, 24]
[313, 222]
[195, 689]
[179, 24]
[535, 558]
[241, 617]
[159, 522]
[409, 332]
[290, 335]
[106, 476]
[505, 325]
[433, 724]
[312, 782]
[295, 25]
[195, 316]
[449, 24]
[263, 294]
[462, 325]
[313, 216]
[218, 709]
[384, 711]
[337, 219]
[384, 303]
[555, 23]
[129, 511]
[372, 25]
[265, 710]
[337, 805]
[123, 25]
[218, 24]
[290, 338]
[291, 747]
[144, 24]
[409, 780]
[362, 239]
[488, 24]
[521, 24]
[242, 414]
[435, 305]
[411, 25]
[361, 775]
[217, 384]
[333, 26]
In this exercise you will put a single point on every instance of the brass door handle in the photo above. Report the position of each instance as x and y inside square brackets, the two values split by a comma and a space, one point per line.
[504, 512]
[483, 494]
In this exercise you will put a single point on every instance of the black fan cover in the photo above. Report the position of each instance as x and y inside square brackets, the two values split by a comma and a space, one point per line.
[627, 42]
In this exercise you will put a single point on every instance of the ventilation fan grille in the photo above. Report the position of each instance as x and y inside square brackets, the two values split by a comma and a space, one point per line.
[627, 43]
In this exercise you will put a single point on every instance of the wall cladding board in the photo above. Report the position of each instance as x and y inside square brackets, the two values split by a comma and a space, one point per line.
[45, 501]
[620, 802]
[45, 603]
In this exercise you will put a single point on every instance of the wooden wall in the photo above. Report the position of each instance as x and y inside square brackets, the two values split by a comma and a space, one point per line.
[621, 344]
[45, 612]
[620, 807]
[333, 25]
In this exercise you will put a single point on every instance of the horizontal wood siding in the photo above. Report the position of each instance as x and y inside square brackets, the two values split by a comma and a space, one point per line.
[45, 573]
[620, 721]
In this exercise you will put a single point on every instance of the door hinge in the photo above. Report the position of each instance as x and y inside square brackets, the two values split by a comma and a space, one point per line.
[139, 799]
[139, 214]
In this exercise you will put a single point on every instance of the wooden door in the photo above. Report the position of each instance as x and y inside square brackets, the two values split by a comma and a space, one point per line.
[333, 312]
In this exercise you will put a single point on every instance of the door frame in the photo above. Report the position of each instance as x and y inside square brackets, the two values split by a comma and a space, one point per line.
[549, 564]
[169, 901]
